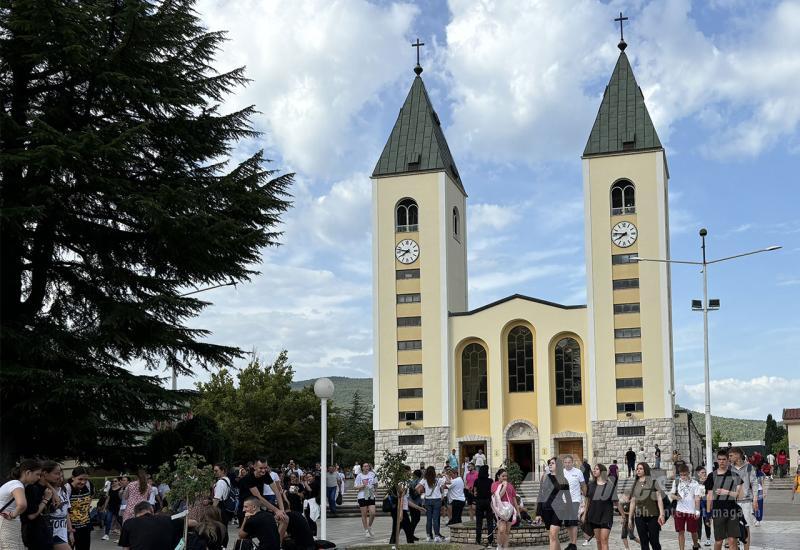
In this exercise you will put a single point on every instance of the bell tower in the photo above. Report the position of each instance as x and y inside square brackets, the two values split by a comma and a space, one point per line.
[419, 277]
[625, 179]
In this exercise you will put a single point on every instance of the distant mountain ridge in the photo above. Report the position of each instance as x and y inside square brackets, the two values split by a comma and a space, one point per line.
[343, 389]
[731, 429]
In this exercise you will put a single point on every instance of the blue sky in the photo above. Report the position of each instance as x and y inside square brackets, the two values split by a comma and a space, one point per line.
[517, 86]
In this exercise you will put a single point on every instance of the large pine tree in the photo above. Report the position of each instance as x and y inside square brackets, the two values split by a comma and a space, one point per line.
[118, 195]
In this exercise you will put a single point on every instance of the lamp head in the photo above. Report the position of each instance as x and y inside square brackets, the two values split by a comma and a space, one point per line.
[773, 247]
[323, 388]
[703, 232]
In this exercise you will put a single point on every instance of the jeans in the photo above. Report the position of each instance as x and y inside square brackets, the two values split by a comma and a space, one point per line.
[648, 529]
[658, 462]
[108, 521]
[433, 516]
[331, 492]
[483, 509]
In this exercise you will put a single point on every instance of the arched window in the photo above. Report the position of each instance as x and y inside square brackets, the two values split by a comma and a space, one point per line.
[568, 372]
[456, 222]
[520, 359]
[407, 216]
[623, 198]
[474, 389]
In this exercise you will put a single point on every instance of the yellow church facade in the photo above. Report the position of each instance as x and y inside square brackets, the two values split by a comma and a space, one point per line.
[522, 378]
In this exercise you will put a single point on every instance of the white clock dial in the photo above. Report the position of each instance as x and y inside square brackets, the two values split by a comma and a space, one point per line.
[407, 251]
[624, 234]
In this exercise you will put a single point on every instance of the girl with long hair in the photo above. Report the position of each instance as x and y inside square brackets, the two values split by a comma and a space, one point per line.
[554, 496]
[49, 490]
[207, 532]
[506, 508]
[431, 490]
[601, 501]
[135, 493]
[365, 483]
[13, 503]
[483, 505]
[79, 493]
[647, 508]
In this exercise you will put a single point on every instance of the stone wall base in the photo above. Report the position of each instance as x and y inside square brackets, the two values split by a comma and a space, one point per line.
[609, 442]
[528, 535]
[434, 449]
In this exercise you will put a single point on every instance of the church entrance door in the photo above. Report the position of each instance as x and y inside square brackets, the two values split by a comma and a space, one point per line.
[522, 452]
[572, 447]
[469, 450]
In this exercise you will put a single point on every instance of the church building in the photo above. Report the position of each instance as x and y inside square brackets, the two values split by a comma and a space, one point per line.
[523, 378]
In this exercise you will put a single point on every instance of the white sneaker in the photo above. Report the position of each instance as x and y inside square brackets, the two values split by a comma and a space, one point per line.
[104, 537]
[428, 539]
[371, 534]
[708, 542]
[366, 533]
[758, 523]
[438, 539]
[585, 543]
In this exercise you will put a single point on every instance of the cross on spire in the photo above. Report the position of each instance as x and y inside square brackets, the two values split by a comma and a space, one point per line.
[622, 45]
[418, 44]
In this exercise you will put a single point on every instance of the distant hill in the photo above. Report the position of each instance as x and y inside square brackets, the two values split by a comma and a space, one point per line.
[732, 429]
[344, 388]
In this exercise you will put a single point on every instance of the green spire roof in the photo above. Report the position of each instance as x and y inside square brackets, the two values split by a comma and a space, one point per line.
[417, 142]
[623, 123]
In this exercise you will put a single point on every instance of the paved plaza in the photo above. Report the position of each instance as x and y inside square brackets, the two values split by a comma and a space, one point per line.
[780, 531]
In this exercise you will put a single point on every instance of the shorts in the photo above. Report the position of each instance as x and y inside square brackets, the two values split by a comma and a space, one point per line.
[626, 532]
[726, 527]
[470, 498]
[686, 522]
[58, 540]
[600, 525]
[572, 522]
[364, 502]
[747, 512]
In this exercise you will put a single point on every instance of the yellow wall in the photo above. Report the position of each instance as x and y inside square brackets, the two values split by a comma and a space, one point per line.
[442, 286]
[491, 327]
[648, 173]
[794, 443]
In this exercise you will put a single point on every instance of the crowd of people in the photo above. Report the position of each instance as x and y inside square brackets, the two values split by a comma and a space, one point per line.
[279, 508]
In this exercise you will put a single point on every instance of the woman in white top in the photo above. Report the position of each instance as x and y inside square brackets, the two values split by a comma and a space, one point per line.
[13, 503]
[456, 497]
[366, 484]
[430, 487]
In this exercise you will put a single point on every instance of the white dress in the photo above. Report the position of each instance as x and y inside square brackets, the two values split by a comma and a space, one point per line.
[10, 530]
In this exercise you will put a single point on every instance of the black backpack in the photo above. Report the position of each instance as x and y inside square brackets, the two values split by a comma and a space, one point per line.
[231, 502]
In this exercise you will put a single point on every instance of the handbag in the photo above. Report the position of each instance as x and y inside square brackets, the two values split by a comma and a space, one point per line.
[339, 499]
[386, 505]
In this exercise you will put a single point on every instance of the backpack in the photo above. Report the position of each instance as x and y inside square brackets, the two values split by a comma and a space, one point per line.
[231, 502]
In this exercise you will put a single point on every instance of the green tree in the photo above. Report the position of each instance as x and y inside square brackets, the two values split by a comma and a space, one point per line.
[716, 439]
[259, 412]
[190, 477]
[118, 194]
[393, 474]
[356, 439]
[515, 475]
[772, 433]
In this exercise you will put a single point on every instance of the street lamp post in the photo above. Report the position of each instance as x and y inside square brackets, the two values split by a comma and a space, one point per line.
[705, 309]
[323, 388]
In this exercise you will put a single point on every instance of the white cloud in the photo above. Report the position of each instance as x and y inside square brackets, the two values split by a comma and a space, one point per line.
[522, 75]
[518, 77]
[740, 398]
[314, 66]
[486, 217]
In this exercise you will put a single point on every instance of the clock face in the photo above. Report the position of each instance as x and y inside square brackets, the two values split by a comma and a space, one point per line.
[407, 251]
[624, 234]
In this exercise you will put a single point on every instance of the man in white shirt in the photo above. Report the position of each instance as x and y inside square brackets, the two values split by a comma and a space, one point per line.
[356, 470]
[270, 487]
[455, 496]
[479, 459]
[687, 493]
[577, 490]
